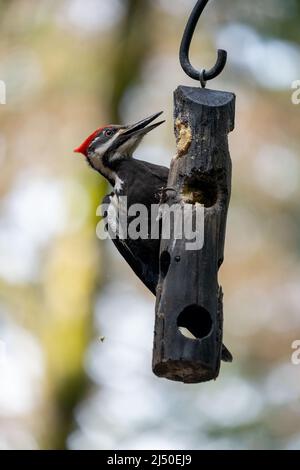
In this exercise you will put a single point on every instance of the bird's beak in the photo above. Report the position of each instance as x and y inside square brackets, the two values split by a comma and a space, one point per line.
[141, 128]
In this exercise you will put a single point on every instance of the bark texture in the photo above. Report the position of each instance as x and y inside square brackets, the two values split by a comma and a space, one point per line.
[189, 298]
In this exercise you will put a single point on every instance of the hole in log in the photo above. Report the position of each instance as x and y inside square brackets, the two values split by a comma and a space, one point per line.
[165, 260]
[194, 322]
[201, 189]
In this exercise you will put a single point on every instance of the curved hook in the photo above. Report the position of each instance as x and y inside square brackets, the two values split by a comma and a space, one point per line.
[203, 75]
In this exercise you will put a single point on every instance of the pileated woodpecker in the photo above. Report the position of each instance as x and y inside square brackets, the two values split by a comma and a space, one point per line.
[109, 151]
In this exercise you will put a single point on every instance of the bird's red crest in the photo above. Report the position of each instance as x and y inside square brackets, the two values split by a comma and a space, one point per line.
[84, 146]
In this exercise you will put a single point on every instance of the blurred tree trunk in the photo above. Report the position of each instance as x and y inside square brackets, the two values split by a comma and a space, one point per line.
[132, 41]
[131, 47]
[59, 308]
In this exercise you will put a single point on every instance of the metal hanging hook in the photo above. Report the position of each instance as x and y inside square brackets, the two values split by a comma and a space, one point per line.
[203, 75]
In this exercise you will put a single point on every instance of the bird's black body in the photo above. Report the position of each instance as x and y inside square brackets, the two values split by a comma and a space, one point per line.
[142, 183]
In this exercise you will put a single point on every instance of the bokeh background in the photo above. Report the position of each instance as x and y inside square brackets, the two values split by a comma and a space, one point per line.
[76, 326]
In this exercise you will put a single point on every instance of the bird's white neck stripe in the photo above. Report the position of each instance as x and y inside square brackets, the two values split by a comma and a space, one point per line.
[118, 184]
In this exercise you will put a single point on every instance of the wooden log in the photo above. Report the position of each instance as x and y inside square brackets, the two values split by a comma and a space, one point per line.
[189, 307]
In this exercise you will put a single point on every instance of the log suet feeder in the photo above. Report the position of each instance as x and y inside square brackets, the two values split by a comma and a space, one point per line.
[189, 301]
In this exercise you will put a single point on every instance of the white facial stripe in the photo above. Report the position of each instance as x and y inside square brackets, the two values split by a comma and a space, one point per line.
[100, 151]
[129, 146]
[96, 140]
[107, 172]
[97, 159]
[126, 149]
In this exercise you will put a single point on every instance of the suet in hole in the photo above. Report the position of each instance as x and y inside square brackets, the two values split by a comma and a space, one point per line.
[201, 190]
[165, 260]
[194, 322]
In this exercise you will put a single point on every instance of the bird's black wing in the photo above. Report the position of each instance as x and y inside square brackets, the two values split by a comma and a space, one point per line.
[143, 184]
[147, 272]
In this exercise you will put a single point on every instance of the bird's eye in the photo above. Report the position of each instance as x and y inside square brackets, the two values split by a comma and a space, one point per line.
[108, 133]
